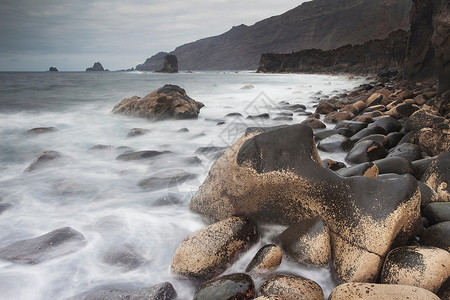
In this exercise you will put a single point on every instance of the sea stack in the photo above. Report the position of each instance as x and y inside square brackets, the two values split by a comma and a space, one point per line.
[170, 64]
[53, 69]
[96, 67]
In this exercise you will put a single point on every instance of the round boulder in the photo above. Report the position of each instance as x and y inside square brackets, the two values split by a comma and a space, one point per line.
[437, 212]
[266, 260]
[365, 151]
[233, 286]
[437, 235]
[208, 252]
[291, 287]
[423, 119]
[420, 266]
[438, 176]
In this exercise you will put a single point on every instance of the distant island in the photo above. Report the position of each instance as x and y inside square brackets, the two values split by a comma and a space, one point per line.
[97, 67]
[53, 69]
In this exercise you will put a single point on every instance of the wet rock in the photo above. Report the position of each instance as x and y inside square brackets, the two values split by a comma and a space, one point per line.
[39, 130]
[367, 169]
[100, 147]
[123, 256]
[307, 242]
[437, 212]
[402, 110]
[260, 116]
[433, 141]
[368, 291]
[166, 179]
[427, 195]
[184, 129]
[247, 87]
[168, 102]
[375, 108]
[283, 119]
[137, 132]
[376, 99]
[291, 287]
[397, 165]
[363, 118]
[365, 151]
[333, 165]
[424, 267]
[54, 244]
[275, 176]
[296, 107]
[389, 124]
[211, 152]
[352, 126]
[140, 155]
[437, 235]
[233, 286]
[162, 291]
[270, 297]
[379, 138]
[192, 161]
[394, 138]
[438, 176]
[423, 119]
[266, 260]
[421, 166]
[338, 116]
[334, 143]
[235, 114]
[410, 152]
[46, 159]
[366, 132]
[206, 253]
[314, 123]
[320, 134]
[324, 108]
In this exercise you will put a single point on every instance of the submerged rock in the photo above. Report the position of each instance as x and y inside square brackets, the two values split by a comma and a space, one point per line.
[123, 256]
[208, 252]
[45, 159]
[54, 244]
[232, 286]
[140, 155]
[168, 102]
[137, 132]
[275, 176]
[39, 130]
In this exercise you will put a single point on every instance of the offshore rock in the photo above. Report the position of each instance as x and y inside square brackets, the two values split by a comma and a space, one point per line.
[168, 102]
[291, 287]
[233, 286]
[206, 253]
[45, 160]
[275, 176]
[54, 244]
[170, 64]
[96, 67]
[53, 69]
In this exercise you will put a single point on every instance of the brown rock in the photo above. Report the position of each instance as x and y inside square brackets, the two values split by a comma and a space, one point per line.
[314, 123]
[423, 119]
[45, 159]
[338, 116]
[266, 260]
[433, 141]
[368, 291]
[438, 176]
[291, 287]
[402, 110]
[324, 108]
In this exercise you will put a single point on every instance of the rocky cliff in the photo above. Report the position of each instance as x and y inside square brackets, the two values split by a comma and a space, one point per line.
[321, 24]
[371, 57]
[156, 62]
[170, 64]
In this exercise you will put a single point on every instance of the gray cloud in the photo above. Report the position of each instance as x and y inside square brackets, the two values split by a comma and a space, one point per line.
[71, 35]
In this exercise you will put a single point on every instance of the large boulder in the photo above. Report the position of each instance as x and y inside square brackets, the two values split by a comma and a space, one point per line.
[438, 176]
[291, 287]
[170, 64]
[54, 244]
[208, 252]
[233, 286]
[275, 175]
[168, 102]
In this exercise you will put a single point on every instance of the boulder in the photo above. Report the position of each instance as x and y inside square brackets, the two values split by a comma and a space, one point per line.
[338, 116]
[408, 151]
[95, 68]
[389, 124]
[334, 143]
[324, 108]
[432, 141]
[438, 176]
[168, 102]
[161, 291]
[275, 175]
[423, 119]
[39, 130]
[379, 138]
[420, 266]
[170, 64]
[206, 253]
[233, 286]
[421, 166]
[145, 154]
[397, 165]
[368, 291]
[367, 169]
[54, 244]
[365, 151]
[307, 242]
[137, 132]
[376, 99]
[291, 287]
[402, 110]
[366, 132]
[46, 159]
[437, 212]
[437, 235]
[123, 256]
[394, 138]
[333, 165]
[352, 126]
[314, 123]
[260, 116]
[266, 260]
[427, 195]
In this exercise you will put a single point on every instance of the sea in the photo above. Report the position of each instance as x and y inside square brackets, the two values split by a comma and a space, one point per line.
[98, 195]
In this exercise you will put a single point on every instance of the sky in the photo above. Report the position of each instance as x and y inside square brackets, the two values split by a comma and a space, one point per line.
[73, 34]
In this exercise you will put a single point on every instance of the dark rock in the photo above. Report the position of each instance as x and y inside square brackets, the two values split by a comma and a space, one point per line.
[314, 123]
[211, 152]
[275, 175]
[39, 130]
[307, 242]
[363, 118]
[283, 119]
[45, 159]
[379, 138]
[233, 286]
[96, 67]
[368, 169]
[424, 267]
[408, 138]
[54, 244]
[166, 179]
[137, 132]
[53, 69]
[260, 116]
[123, 256]
[334, 143]
[365, 151]
[156, 62]
[356, 291]
[402, 110]
[170, 64]
[333, 165]
[437, 212]
[266, 260]
[423, 119]
[145, 154]
[389, 124]
[366, 132]
[427, 195]
[296, 107]
[100, 147]
[291, 287]
[168, 102]
[432, 141]
[408, 151]
[394, 138]
[206, 253]
[397, 165]
[352, 126]
[437, 235]
[235, 114]
[321, 134]
[183, 130]
[162, 291]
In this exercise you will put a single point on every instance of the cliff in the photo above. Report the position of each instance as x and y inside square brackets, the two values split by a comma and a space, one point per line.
[321, 24]
[156, 62]
[170, 64]
[371, 57]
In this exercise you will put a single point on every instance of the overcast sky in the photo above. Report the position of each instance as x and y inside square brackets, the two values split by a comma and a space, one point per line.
[73, 34]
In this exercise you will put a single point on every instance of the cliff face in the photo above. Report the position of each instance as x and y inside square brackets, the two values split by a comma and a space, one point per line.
[371, 57]
[322, 24]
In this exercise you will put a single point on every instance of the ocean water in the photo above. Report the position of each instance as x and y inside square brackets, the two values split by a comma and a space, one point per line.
[97, 195]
